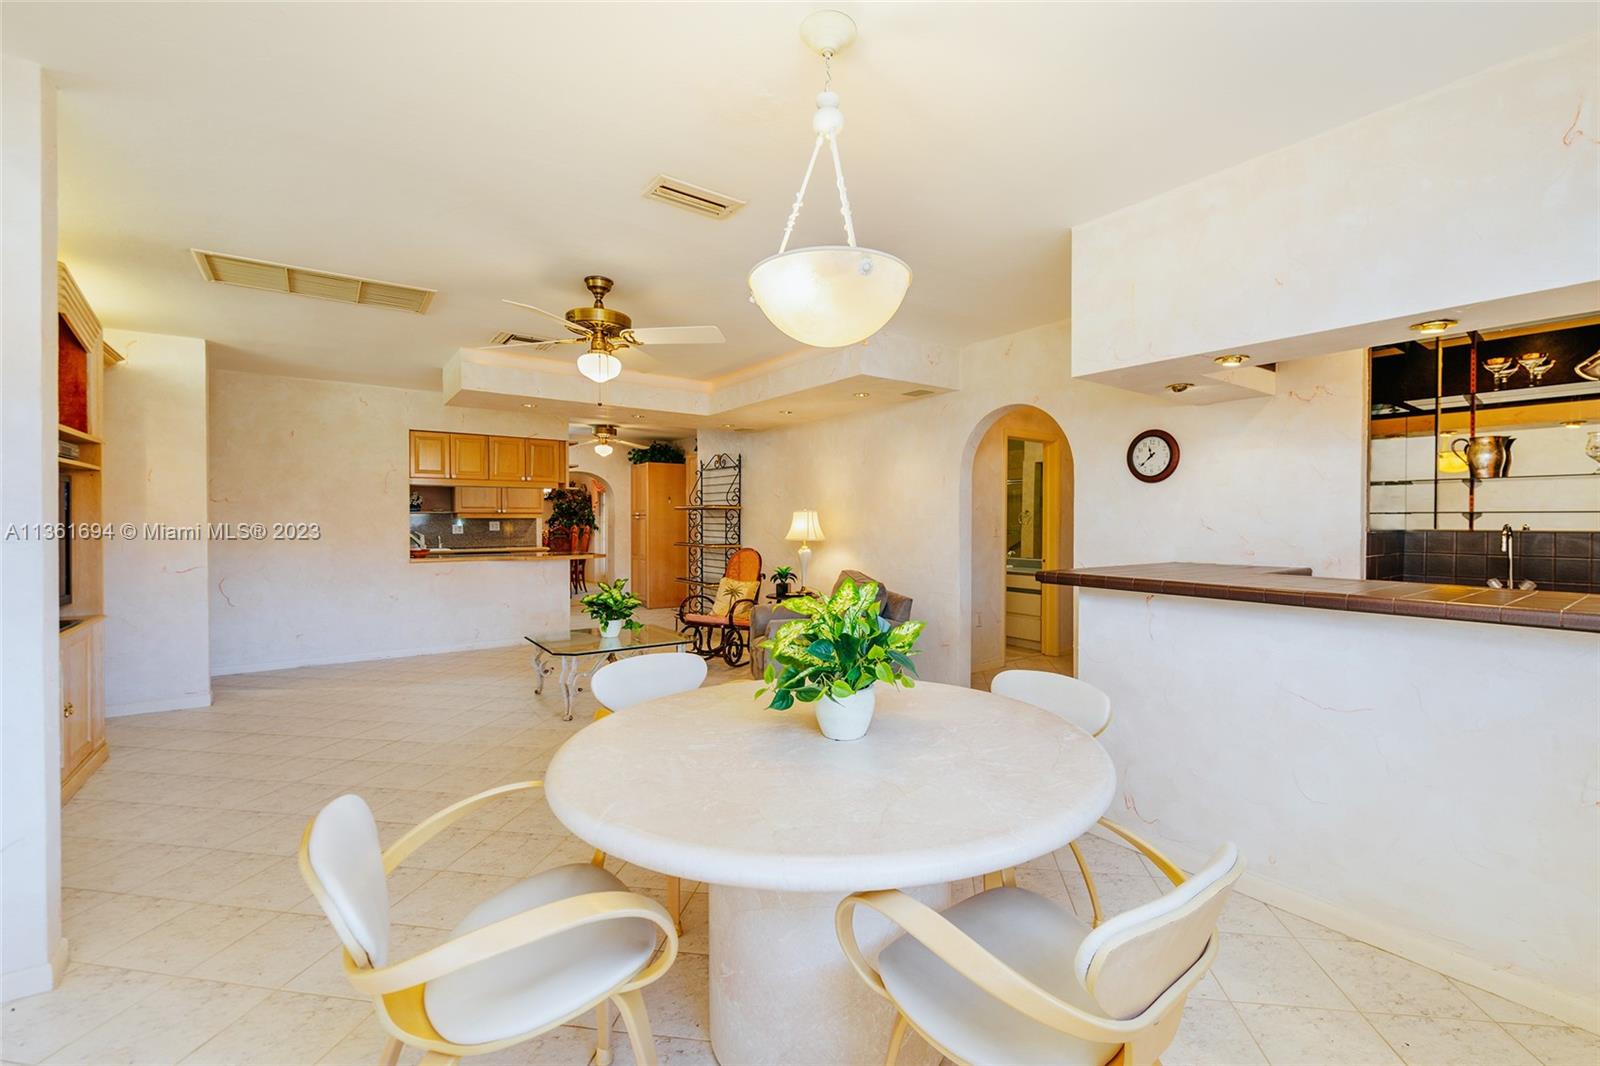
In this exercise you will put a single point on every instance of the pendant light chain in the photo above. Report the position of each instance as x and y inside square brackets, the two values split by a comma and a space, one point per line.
[831, 136]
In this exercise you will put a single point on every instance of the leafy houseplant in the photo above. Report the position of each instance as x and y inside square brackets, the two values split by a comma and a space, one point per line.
[612, 607]
[781, 578]
[571, 517]
[661, 451]
[834, 655]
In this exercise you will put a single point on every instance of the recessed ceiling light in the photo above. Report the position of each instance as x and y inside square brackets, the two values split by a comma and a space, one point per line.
[527, 405]
[1236, 359]
[1433, 325]
[861, 395]
[727, 425]
[638, 418]
[1180, 386]
[786, 412]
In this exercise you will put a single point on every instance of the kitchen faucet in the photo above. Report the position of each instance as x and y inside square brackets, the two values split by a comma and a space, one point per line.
[1508, 543]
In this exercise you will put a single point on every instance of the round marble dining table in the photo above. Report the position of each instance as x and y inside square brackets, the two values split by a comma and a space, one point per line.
[782, 823]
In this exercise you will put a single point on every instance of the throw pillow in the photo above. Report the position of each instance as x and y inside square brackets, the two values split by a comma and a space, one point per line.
[730, 592]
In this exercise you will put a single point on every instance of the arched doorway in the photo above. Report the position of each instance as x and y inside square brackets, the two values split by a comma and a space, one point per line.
[604, 518]
[1019, 522]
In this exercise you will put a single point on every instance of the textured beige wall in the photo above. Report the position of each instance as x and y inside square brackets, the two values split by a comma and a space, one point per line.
[1274, 480]
[157, 612]
[336, 454]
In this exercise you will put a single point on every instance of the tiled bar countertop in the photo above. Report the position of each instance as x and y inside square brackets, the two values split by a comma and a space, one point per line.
[1296, 587]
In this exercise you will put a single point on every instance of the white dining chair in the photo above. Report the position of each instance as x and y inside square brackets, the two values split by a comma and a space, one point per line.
[537, 954]
[1076, 701]
[1007, 976]
[626, 682]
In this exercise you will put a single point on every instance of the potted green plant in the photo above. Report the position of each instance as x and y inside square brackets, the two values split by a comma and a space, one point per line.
[612, 607]
[782, 577]
[835, 655]
[572, 511]
[661, 451]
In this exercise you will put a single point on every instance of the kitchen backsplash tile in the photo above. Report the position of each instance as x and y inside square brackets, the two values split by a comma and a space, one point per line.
[475, 533]
[1557, 561]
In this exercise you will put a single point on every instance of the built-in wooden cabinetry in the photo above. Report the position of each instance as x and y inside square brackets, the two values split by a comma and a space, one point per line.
[488, 501]
[485, 460]
[83, 719]
[658, 557]
[82, 360]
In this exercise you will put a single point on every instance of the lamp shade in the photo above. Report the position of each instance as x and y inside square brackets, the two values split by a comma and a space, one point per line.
[805, 527]
[830, 296]
[599, 366]
[602, 449]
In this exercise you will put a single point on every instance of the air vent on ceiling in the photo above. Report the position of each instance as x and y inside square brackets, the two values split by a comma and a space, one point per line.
[918, 392]
[682, 194]
[302, 281]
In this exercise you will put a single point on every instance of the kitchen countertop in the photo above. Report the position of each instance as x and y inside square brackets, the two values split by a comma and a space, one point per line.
[514, 555]
[1297, 587]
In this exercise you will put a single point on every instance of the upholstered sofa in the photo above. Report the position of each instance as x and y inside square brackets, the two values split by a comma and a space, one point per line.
[766, 619]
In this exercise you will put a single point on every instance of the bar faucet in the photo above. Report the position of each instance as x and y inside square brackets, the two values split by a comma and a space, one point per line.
[1508, 544]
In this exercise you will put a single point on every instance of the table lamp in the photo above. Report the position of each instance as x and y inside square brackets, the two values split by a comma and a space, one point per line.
[805, 528]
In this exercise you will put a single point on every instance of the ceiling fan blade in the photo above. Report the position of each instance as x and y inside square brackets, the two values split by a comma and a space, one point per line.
[536, 345]
[570, 327]
[676, 335]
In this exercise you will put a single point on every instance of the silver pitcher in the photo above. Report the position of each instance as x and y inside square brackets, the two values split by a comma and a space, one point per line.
[1487, 456]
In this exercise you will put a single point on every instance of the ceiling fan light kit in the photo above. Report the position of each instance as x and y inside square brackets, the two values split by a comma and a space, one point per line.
[828, 296]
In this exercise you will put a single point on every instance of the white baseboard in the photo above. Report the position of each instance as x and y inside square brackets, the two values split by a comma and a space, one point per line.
[228, 669]
[187, 702]
[1419, 948]
[36, 979]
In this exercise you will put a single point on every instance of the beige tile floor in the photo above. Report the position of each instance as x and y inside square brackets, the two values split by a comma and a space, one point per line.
[194, 940]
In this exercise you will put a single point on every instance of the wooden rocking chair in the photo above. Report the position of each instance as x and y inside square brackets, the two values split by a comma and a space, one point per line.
[725, 634]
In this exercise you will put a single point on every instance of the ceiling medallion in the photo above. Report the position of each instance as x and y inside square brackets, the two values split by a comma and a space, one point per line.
[828, 296]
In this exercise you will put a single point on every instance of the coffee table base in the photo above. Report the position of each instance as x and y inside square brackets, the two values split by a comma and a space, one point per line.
[782, 991]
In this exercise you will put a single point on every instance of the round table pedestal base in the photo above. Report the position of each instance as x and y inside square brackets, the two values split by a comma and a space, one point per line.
[782, 991]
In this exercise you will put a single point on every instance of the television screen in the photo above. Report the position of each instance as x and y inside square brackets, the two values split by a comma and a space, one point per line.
[65, 541]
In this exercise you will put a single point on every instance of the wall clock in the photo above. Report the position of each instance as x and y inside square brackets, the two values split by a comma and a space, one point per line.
[1153, 456]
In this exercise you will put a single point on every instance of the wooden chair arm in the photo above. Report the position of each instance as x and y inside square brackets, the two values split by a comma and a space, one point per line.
[974, 962]
[733, 611]
[518, 931]
[401, 849]
[1164, 864]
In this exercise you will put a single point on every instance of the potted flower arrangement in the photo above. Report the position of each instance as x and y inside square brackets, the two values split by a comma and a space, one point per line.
[782, 577]
[571, 519]
[834, 656]
[612, 607]
[661, 451]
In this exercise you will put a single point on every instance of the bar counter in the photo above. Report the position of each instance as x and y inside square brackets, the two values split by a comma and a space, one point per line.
[1297, 587]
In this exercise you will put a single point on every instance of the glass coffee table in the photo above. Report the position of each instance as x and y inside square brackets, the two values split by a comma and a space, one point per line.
[580, 652]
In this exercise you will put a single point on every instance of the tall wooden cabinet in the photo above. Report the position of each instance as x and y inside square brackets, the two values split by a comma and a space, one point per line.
[659, 559]
[82, 360]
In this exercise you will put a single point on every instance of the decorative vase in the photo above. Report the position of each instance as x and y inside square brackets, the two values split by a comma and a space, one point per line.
[582, 537]
[846, 719]
[611, 629]
[781, 590]
[561, 540]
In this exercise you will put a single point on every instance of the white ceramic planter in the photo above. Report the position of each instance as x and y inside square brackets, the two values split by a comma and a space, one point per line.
[846, 719]
[611, 629]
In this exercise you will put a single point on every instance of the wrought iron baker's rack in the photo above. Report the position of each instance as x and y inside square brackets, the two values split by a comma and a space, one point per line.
[715, 526]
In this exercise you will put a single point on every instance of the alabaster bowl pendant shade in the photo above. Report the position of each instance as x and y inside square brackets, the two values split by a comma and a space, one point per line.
[599, 366]
[830, 296]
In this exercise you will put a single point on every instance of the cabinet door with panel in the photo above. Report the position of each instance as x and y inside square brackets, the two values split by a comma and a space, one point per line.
[508, 459]
[83, 713]
[469, 456]
[547, 462]
[639, 534]
[430, 454]
[523, 501]
[477, 500]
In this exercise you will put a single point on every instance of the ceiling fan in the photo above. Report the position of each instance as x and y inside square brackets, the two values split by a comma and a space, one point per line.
[607, 331]
[604, 437]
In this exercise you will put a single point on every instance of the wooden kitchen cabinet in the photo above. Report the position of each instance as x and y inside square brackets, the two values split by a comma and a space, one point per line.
[477, 501]
[430, 454]
[469, 457]
[83, 708]
[508, 458]
[547, 462]
[657, 556]
[524, 501]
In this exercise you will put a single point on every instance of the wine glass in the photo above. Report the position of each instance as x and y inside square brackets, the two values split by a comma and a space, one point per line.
[1501, 366]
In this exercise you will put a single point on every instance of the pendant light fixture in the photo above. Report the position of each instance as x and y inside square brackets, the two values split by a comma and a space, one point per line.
[598, 364]
[833, 295]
